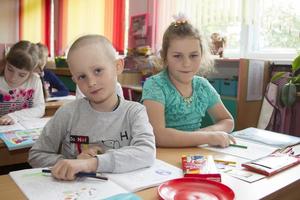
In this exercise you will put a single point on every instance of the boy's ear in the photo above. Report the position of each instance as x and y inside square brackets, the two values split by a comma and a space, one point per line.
[119, 66]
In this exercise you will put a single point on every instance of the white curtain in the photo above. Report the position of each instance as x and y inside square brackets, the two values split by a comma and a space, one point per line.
[201, 13]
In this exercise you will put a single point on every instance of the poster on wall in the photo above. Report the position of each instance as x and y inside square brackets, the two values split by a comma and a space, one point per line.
[139, 25]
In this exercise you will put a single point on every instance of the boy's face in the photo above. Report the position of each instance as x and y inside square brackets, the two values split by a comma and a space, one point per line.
[14, 76]
[183, 59]
[94, 72]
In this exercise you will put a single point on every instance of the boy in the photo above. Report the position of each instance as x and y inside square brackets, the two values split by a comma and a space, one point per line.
[101, 121]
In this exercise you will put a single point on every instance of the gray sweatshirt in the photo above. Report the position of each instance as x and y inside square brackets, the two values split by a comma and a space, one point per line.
[125, 135]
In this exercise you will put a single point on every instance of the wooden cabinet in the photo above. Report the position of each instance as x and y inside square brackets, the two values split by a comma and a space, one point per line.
[131, 84]
[130, 78]
[245, 112]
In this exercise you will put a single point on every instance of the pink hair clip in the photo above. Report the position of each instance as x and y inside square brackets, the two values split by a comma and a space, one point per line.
[180, 19]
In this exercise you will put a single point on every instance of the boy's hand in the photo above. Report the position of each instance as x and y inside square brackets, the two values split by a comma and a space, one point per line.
[90, 152]
[6, 120]
[220, 138]
[67, 169]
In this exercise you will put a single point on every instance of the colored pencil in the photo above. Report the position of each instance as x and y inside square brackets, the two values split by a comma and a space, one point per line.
[225, 161]
[83, 174]
[239, 146]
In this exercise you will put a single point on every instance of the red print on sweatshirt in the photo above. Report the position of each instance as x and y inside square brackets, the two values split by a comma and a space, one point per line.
[15, 99]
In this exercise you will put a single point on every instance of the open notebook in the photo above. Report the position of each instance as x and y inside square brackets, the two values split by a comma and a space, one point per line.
[22, 134]
[36, 185]
[273, 139]
[259, 143]
[253, 150]
[31, 123]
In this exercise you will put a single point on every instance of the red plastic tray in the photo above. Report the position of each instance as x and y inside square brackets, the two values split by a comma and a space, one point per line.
[194, 188]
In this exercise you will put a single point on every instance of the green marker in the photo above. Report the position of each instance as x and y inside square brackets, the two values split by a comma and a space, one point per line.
[237, 145]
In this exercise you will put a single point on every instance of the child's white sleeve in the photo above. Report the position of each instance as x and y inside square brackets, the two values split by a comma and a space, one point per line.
[38, 108]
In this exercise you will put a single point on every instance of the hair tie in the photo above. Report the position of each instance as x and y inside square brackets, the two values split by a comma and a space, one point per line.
[180, 19]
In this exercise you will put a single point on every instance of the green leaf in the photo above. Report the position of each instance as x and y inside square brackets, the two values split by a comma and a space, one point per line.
[277, 76]
[288, 94]
[296, 64]
[296, 79]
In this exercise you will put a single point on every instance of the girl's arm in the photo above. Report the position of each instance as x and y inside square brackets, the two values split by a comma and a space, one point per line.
[222, 117]
[56, 83]
[169, 137]
[38, 108]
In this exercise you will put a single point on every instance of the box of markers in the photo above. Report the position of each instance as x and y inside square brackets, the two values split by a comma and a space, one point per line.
[200, 166]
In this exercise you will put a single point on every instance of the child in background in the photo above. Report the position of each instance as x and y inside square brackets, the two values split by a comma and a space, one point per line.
[21, 93]
[177, 99]
[53, 86]
[101, 122]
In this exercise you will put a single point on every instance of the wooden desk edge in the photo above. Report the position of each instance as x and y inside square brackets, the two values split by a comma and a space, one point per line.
[290, 191]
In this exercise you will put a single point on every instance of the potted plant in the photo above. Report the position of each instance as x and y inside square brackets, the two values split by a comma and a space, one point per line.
[288, 93]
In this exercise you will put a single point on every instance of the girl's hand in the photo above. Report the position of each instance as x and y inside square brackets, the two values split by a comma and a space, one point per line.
[220, 138]
[90, 152]
[67, 169]
[6, 120]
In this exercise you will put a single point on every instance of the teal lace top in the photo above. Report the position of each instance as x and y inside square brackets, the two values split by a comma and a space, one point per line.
[180, 113]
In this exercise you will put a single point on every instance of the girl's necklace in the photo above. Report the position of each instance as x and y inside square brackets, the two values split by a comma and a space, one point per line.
[188, 100]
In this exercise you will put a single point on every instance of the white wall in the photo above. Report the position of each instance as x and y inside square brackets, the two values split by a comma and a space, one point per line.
[8, 21]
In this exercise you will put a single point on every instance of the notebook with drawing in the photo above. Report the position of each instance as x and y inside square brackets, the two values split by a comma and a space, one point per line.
[36, 185]
[22, 134]
[20, 139]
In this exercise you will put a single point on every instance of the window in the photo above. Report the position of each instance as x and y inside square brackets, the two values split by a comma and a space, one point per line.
[260, 28]
[277, 27]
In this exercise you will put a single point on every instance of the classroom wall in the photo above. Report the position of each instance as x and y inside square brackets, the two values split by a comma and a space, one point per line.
[9, 21]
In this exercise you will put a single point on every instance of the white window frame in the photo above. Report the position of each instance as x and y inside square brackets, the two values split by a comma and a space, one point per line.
[249, 38]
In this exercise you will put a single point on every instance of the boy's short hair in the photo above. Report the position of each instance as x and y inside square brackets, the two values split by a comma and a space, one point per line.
[95, 39]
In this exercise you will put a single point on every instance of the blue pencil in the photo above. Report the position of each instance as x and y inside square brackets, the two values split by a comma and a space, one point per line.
[82, 174]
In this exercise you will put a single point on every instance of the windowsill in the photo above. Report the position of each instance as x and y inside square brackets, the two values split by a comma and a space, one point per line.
[272, 56]
[277, 55]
